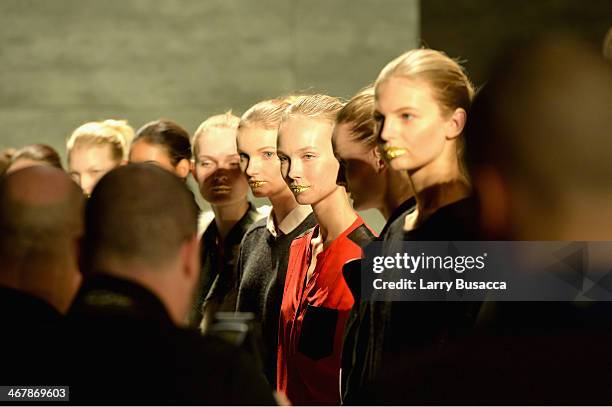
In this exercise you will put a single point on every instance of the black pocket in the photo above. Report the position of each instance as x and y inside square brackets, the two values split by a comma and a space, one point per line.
[318, 332]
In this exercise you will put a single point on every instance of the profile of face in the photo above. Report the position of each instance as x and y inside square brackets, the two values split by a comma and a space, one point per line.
[217, 168]
[88, 163]
[308, 164]
[259, 161]
[413, 130]
[144, 152]
[364, 169]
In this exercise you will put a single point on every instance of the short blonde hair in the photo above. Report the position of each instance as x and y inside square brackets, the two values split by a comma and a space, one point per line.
[449, 83]
[359, 114]
[318, 106]
[226, 120]
[118, 134]
[266, 114]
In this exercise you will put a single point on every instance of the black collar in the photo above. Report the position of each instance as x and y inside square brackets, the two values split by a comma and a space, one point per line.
[106, 295]
[21, 308]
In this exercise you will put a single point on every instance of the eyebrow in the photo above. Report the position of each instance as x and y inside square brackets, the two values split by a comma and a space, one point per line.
[400, 109]
[307, 148]
[266, 148]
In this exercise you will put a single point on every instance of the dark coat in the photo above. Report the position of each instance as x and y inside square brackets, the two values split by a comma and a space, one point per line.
[127, 350]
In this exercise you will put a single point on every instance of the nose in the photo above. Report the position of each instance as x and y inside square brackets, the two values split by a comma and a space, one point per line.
[86, 183]
[252, 168]
[220, 174]
[383, 131]
[295, 170]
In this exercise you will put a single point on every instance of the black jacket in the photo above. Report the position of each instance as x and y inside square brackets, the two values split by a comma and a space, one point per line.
[126, 350]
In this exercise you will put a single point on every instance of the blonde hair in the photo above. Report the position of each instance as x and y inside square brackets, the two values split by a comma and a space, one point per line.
[226, 120]
[358, 113]
[115, 133]
[321, 107]
[266, 114]
[450, 85]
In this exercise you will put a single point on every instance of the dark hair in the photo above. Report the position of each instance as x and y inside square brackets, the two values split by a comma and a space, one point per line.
[39, 152]
[168, 134]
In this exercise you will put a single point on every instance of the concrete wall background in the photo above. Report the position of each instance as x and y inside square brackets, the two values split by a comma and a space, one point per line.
[67, 62]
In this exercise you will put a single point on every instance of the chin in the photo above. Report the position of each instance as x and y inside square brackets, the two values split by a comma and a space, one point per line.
[400, 164]
[303, 199]
[260, 193]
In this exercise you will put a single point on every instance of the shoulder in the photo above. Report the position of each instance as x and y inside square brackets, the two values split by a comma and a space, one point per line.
[304, 236]
[204, 220]
[361, 235]
[256, 228]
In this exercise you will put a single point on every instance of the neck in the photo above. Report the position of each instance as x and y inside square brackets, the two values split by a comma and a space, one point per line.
[399, 190]
[161, 281]
[334, 214]
[438, 184]
[226, 216]
[53, 287]
[282, 204]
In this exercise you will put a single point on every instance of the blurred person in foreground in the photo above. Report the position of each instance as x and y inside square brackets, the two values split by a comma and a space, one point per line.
[41, 223]
[128, 320]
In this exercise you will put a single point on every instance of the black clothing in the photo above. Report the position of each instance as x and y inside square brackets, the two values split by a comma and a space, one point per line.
[262, 268]
[386, 331]
[395, 224]
[31, 340]
[126, 350]
[535, 353]
[218, 287]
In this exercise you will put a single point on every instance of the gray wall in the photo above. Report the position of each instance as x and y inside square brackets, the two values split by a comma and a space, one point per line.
[65, 62]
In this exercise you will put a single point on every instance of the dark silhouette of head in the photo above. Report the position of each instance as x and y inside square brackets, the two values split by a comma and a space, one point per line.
[538, 144]
[140, 224]
[41, 222]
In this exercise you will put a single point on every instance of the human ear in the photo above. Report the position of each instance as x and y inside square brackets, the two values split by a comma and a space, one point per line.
[183, 168]
[190, 258]
[456, 123]
[381, 164]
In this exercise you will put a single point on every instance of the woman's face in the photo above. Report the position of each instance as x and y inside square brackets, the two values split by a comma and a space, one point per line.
[413, 131]
[362, 169]
[144, 152]
[88, 163]
[258, 160]
[307, 158]
[217, 168]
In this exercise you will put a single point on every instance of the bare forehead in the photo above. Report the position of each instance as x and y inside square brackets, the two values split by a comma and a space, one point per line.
[218, 140]
[400, 92]
[298, 132]
[255, 136]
